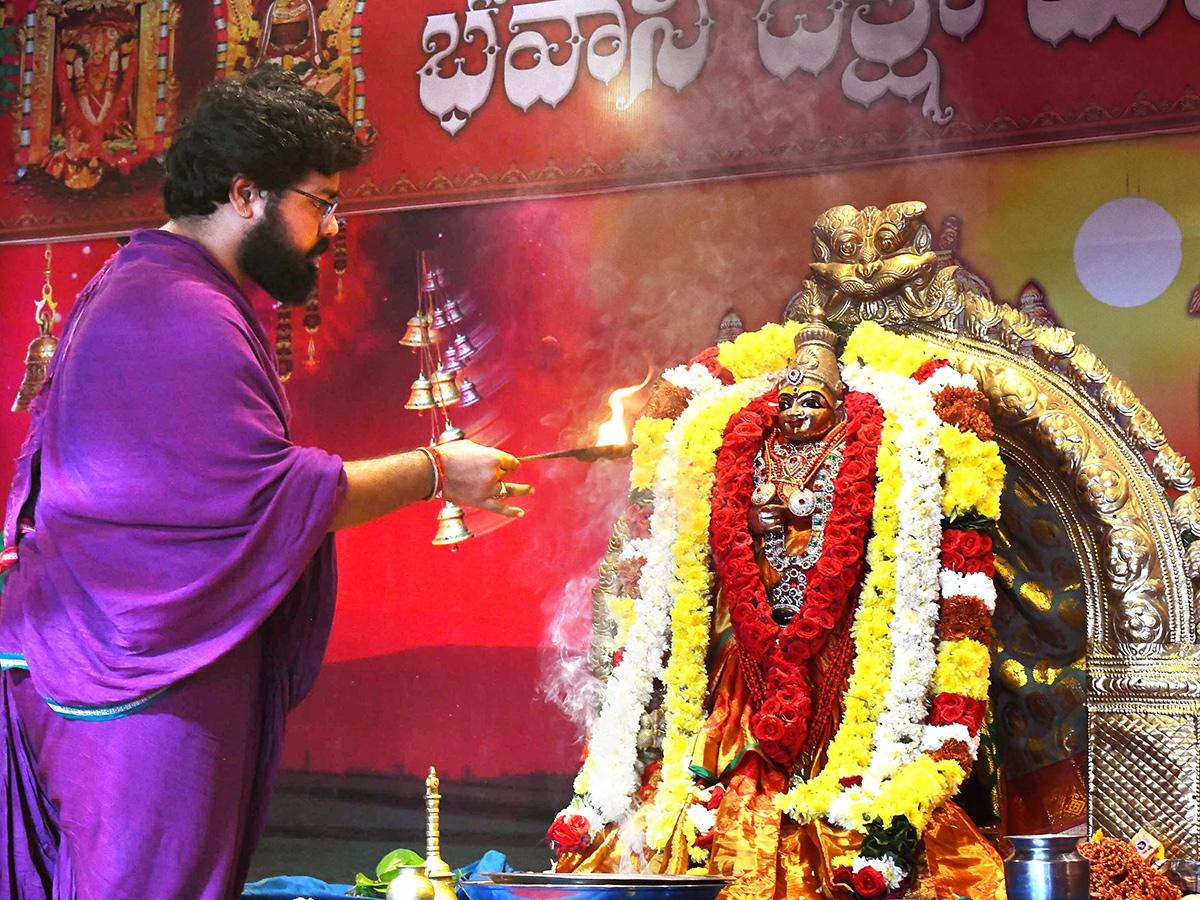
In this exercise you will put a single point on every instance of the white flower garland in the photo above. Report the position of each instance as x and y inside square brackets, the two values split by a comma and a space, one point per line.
[676, 771]
[609, 777]
[694, 378]
[948, 376]
[900, 727]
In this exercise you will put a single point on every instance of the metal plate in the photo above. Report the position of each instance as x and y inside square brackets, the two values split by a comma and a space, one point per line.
[599, 887]
[610, 878]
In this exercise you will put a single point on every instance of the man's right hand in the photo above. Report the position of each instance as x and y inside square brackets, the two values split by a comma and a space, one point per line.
[475, 476]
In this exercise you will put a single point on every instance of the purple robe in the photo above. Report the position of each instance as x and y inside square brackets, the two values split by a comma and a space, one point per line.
[173, 521]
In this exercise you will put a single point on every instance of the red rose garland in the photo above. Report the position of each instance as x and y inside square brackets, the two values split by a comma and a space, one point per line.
[781, 722]
[968, 552]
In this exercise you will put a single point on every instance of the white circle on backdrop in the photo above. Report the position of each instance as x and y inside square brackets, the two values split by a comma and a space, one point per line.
[1128, 252]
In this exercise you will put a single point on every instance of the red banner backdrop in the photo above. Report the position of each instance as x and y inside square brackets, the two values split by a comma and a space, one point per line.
[465, 100]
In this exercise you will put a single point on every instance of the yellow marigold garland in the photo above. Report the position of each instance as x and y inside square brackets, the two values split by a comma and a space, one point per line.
[850, 750]
[648, 437]
[880, 349]
[962, 668]
[918, 790]
[974, 475]
[685, 676]
[769, 349]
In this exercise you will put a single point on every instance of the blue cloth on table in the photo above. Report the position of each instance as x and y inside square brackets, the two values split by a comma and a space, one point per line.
[289, 887]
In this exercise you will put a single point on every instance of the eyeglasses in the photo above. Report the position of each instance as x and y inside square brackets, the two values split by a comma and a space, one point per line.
[327, 207]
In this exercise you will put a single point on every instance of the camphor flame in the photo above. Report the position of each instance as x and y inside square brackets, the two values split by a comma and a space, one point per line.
[613, 432]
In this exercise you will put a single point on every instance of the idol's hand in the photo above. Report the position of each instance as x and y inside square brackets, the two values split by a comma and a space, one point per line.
[475, 477]
[767, 519]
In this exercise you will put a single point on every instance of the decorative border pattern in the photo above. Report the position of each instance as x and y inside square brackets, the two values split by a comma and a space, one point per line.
[553, 178]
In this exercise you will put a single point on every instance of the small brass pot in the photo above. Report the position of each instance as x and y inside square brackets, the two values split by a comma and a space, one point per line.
[410, 884]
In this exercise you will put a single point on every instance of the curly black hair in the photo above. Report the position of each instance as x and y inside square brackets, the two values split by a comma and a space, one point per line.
[268, 127]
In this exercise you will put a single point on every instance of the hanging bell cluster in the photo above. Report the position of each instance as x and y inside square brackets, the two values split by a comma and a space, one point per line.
[443, 351]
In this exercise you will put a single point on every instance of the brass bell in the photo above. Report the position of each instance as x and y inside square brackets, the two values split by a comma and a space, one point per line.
[450, 360]
[463, 348]
[421, 396]
[439, 320]
[450, 433]
[417, 333]
[445, 391]
[37, 361]
[451, 528]
[467, 393]
[454, 313]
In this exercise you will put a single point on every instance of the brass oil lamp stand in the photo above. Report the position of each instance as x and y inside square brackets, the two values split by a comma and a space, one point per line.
[436, 869]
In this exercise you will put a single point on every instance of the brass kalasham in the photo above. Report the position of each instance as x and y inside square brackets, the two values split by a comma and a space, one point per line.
[436, 869]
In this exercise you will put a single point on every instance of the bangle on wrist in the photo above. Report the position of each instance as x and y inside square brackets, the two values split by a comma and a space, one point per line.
[439, 474]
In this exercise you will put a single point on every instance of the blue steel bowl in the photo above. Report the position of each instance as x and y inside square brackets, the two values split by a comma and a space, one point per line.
[554, 886]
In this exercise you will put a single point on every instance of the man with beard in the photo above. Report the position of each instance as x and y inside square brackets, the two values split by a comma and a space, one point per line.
[169, 576]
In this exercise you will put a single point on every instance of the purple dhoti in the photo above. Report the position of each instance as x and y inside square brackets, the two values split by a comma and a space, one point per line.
[186, 764]
[172, 594]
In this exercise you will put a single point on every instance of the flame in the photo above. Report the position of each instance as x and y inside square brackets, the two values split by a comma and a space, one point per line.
[613, 432]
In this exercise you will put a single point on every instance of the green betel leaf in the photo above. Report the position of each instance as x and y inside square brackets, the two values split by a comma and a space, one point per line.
[389, 866]
[368, 887]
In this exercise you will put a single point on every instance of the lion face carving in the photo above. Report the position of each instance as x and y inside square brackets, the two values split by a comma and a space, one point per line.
[870, 253]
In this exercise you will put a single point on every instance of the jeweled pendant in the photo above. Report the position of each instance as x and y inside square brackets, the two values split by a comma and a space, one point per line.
[763, 494]
[802, 503]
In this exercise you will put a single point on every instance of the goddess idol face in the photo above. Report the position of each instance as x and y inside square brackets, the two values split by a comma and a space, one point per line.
[805, 415]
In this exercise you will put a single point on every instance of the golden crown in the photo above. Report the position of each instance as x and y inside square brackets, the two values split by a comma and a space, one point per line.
[815, 366]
